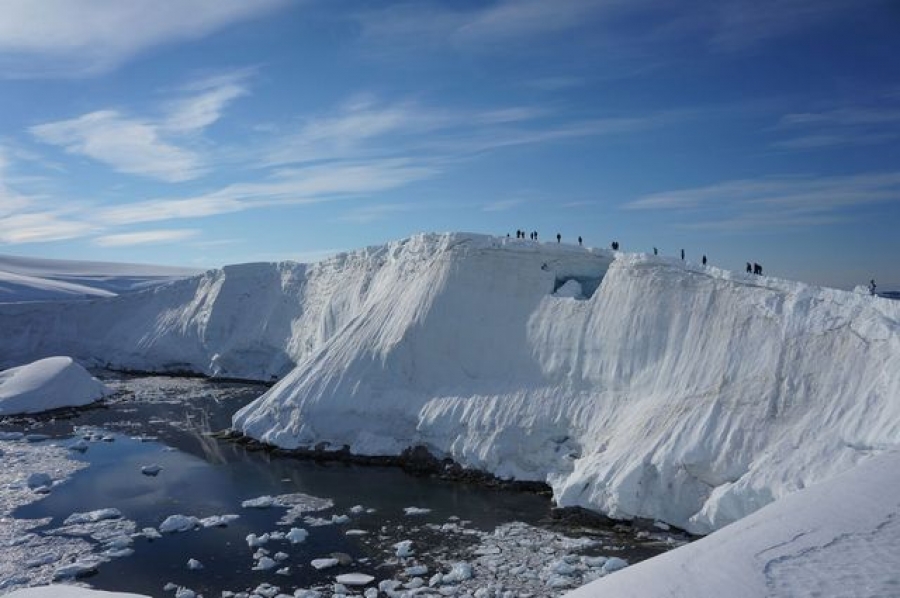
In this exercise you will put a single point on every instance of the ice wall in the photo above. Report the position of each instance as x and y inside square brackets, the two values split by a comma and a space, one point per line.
[635, 385]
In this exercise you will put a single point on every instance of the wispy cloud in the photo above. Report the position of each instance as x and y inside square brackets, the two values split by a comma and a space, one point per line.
[797, 201]
[41, 226]
[846, 126]
[510, 25]
[372, 212]
[87, 37]
[147, 237]
[128, 145]
[147, 146]
[298, 186]
[502, 205]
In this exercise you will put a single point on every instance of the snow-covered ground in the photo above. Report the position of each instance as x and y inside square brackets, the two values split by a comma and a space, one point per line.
[36, 279]
[634, 385]
[63, 591]
[838, 538]
[50, 383]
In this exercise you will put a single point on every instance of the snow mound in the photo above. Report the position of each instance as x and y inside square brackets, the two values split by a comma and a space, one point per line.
[50, 383]
[838, 538]
[688, 395]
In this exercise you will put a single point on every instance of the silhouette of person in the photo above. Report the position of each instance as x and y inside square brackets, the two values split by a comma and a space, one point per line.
[579, 240]
[682, 254]
[704, 260]
[558, 237]
[748, 268]
[655, 251]
[872, 287]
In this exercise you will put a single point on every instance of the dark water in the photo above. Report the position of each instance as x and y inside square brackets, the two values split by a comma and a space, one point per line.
[202, 476]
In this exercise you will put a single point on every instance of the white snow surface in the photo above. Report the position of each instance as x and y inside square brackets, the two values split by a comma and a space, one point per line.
[50, 383]
[689, 395]
[64, 591]
[37, 279]
[837, 538]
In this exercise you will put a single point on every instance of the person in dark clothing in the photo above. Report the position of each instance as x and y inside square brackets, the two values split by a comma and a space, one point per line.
[615, 245]
[655, 251]
[579, 240]
[872, 287]
[748, 268]
[558, 237]
[704, 260]
[757, 269]
[682, 254]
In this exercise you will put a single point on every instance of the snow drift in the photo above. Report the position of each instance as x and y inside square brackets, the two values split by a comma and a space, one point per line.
[50, 383]
[632, 384]
[838, 538]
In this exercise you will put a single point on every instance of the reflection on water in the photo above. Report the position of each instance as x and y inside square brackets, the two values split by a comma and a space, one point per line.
[166, 421]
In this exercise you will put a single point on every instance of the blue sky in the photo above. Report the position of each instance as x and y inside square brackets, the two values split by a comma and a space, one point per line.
[207, 132]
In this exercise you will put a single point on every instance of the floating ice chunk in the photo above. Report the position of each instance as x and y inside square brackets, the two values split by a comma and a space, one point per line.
[458, 573]
[614, 564]
[194, 565]
[594, 562]
[559, 581]
[354, 579]
[185, 593]
[76, 569]
[218, 520]
[404, 548]
[170, 587]
[414, 583]
[260, 553]
[355, 532]
[416, 511]
[11, 435]
[296, 535]
[36, 437]
[266, 590]
[436, 580]
[280, 556]
[42, 559]
[253, 540]
[178, 523]
[264, 564]
[370, 593]
[357, 509]
[80, 445]
[151, 470]
[150, 533]
[92, 516]
[283, 571]
[339, 589]
[340, 518]
[260, 502]
[307, 594]
[39, 481]
[417, 570]
[561, 567]
[323, 563]
[662, 525]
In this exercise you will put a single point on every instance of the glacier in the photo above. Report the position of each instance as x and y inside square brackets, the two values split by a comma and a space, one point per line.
[634, 385]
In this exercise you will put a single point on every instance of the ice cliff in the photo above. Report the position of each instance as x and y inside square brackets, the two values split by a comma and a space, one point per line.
[632, 384]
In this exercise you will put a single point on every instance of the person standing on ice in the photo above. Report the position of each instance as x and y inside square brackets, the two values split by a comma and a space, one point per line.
[558, 237]
[655, 251]
[749, 268]
[682, 254]
[704, 260]
[872, 287]
[579, 240]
